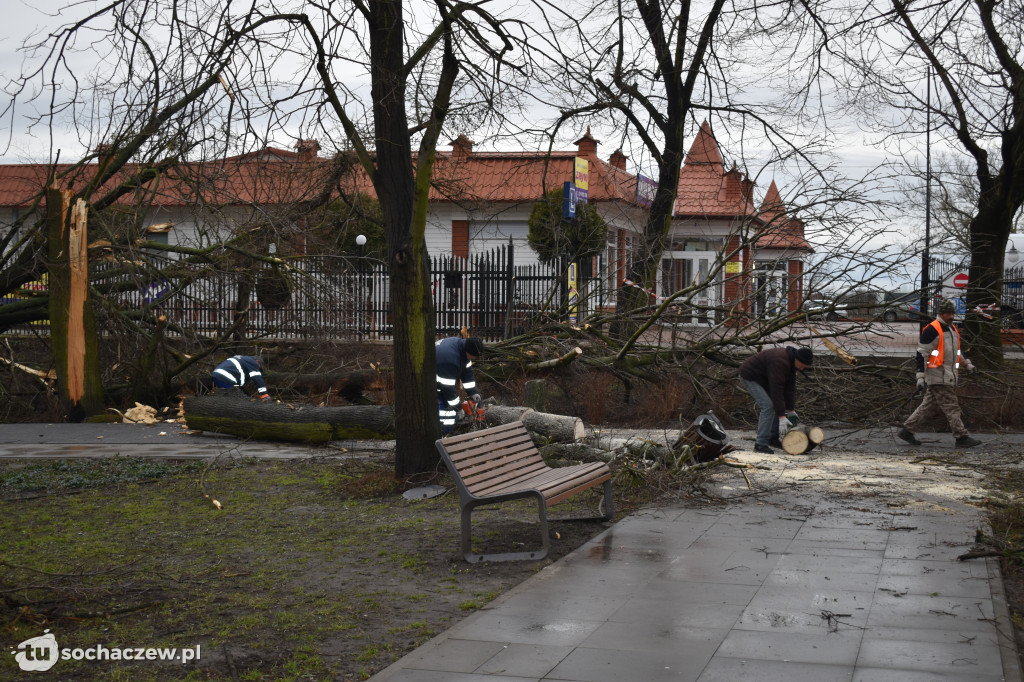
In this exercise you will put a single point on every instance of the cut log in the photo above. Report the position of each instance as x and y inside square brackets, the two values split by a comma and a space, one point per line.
[554, 428]
[802, 439]
[816, 435]
[267, 420]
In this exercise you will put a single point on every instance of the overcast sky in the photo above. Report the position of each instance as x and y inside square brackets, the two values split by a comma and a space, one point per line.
[22, 19]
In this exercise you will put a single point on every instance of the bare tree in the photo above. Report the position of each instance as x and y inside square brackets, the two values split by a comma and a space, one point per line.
[972, 51]
[194, 80]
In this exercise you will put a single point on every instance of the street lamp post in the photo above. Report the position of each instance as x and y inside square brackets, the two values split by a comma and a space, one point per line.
[925, 275]
[361, 315]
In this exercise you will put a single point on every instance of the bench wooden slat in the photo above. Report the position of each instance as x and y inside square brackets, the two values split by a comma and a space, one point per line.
[470, 457]
[503, 476]
[454, 442]
[552, 481]
[515, 450]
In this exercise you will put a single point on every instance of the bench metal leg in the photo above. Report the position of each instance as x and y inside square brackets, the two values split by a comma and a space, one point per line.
[467, 539]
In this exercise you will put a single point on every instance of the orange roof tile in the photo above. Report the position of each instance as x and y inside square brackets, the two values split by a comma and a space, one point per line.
[780, 231]
[706, 189]
[274, 176]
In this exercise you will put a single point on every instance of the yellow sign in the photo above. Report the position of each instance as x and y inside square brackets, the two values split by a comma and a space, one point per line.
[733, 267]
[574, 294]
[582, 174]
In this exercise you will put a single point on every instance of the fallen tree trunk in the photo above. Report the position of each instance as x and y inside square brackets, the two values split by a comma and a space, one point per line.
[555, 428]
[268, 420]
[348, 385]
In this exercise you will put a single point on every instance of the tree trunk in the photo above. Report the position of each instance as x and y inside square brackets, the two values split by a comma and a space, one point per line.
[555, 428]
[349, 385]
[236, 415]
[72, 327]
[989, 231]
[403, 207]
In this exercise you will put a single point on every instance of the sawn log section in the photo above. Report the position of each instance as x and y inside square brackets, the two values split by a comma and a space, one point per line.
[502, 463]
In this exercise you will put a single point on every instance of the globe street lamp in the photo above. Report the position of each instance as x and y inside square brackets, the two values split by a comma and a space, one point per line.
[361, 242]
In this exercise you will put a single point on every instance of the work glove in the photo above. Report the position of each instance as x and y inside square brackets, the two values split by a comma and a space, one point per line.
[971, 368]
[783, 426]
[476, 399]
[921, 385]
[793, 417]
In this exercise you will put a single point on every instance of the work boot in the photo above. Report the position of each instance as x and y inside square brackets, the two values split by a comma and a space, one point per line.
[966, 442]
[903, 434]
[775, 443]
[763, 449]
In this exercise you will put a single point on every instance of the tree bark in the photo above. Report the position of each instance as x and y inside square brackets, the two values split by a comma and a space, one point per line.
[349, 385]
[268, 420]
[403, 206]
[989, 231]
[555, 428]
[72, 327]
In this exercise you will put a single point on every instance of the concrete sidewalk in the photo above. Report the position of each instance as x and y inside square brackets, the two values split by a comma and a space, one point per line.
[844, 567]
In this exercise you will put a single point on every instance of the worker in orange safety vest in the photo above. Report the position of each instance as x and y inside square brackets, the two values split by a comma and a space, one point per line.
[938, 369]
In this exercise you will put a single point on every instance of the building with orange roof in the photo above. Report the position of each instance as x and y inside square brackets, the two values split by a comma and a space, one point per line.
[483, 199]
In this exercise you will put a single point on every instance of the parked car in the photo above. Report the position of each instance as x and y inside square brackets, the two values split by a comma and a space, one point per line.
[821, 309]
[899, 306]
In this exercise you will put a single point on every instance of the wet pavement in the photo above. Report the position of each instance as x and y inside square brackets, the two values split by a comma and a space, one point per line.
[837, 565]
[169, 440]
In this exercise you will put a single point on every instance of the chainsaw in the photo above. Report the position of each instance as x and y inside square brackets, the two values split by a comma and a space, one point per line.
[472, 412]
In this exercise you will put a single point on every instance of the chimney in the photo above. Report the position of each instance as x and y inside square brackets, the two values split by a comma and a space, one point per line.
[307, 149]
[103, 153]
[618, 159]
[586, 145]
[462, 147]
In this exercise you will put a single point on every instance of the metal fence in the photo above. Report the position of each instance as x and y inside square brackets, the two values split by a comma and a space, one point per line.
[332, 297]
[1011, 309]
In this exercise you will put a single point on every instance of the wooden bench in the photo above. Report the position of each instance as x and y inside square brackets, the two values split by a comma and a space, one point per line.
[502, 463]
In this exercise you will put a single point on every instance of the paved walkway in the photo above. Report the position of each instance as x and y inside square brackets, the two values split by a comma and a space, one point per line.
[843, 568]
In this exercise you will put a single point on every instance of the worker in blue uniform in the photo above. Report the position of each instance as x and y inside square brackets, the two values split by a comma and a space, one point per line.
[454, 358]
[237, 370]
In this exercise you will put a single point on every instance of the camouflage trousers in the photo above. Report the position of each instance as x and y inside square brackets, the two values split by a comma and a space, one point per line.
[938, 398]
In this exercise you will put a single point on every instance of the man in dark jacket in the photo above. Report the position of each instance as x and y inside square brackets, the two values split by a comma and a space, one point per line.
[454, 358]
[770, 378]
[236, 370]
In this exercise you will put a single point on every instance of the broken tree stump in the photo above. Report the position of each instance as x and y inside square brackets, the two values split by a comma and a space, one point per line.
[706, 437]
[237, 415]
[555, 428]
[802, 439]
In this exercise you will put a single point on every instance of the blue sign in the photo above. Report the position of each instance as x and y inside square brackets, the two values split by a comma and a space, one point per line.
[156, 291]
[569, 200]
[645, 191]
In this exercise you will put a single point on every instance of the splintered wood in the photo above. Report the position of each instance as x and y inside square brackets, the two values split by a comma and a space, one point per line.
[78, 266]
